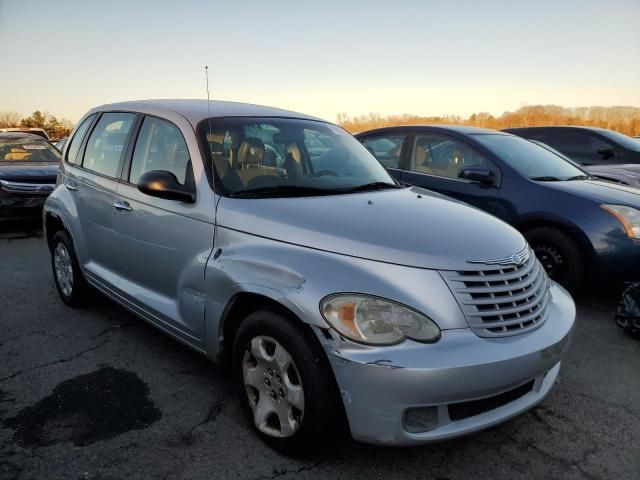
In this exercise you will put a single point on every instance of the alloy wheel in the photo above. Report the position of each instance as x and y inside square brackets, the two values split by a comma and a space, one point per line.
[63, 268]
[273, 387]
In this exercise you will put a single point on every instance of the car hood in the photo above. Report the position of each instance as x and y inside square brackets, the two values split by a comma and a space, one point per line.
[409, 226]
[600, 191]
[628, 173]
[28, 171]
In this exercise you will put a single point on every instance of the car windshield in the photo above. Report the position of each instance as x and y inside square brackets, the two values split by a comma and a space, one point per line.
[29, 148]
[621, 139]
[529, 159]
[288, 157]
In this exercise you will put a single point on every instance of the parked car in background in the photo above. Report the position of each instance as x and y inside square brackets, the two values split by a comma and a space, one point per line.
[61, 143]
[28, 169]
[626, 174]
[34, 131]
[585, 145]
[580, 228]
[331, 290]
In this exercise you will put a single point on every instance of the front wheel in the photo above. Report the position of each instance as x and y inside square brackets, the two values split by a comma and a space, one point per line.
[559, 254]
[285, 384]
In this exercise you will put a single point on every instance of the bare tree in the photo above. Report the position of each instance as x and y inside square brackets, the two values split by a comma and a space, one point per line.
[9, 119]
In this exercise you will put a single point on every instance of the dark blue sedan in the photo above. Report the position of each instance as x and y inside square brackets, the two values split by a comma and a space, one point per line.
[580, 228]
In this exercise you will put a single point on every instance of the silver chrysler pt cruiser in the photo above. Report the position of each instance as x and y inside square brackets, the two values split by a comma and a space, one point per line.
[276, 244]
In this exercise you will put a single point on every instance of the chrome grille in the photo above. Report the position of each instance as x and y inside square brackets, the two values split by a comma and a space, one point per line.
[27, 188]
[507, 300]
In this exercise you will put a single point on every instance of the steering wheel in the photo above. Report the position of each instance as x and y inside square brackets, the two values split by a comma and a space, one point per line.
[320, 173]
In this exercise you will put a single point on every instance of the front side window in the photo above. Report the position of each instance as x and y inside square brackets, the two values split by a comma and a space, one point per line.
[440, 155]
[27, 148]
[160, 146]
[578, 142]
[386, 148]
[106, 143]
[529, 159]
[288, 157]
[76, 141]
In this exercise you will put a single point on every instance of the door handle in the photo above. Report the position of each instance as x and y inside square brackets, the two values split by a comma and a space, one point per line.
[71, 186]
[121, 205]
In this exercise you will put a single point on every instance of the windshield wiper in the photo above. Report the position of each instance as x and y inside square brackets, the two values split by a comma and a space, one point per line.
[283, 191]
[546, 178]
[366, 187]
[580, 177]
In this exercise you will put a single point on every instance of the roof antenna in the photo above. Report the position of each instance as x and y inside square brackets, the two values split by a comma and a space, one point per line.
[213, 169]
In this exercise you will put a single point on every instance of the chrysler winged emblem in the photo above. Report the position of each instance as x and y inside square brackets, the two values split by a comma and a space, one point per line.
[517, 259]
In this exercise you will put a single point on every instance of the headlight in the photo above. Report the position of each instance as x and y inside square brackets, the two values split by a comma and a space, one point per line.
[376, 321]
[629, 218]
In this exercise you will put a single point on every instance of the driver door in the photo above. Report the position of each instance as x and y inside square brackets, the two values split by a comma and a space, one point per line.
[435, 162]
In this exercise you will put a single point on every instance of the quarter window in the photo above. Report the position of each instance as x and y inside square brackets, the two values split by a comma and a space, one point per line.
[443, 156]
[76, 141]
[106, 143]
[160, 146]
[386, 148]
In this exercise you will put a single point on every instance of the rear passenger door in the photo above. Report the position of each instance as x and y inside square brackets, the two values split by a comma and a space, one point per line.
[163, 244]
[91, 181]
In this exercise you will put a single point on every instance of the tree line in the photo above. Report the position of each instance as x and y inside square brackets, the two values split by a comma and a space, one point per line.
[622, 119]
[49, 123]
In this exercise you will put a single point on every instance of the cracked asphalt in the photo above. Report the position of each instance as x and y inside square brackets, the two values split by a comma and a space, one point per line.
[98, 394]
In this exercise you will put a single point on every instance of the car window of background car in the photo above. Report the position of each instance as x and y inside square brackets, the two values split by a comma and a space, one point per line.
[160, 146]
[386, 148]
[440, 155]
[254, 153]
[27, 149]
[106, 143]
[622, 139]
[578, 142]
[527, 158]
[76, 141]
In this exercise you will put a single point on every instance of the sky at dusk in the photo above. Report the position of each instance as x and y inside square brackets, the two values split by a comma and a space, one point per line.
[321, 58]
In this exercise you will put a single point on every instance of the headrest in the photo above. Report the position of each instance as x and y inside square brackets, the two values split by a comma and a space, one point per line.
[251, 151]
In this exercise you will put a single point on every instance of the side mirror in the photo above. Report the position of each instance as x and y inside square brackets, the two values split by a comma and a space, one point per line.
[481, 175]
[164, 184]
[606, 152]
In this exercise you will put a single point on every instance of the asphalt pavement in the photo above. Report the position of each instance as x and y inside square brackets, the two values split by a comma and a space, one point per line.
[98, 394]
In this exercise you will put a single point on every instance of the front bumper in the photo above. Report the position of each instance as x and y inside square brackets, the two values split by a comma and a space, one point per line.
[380, 384]
[19, 205]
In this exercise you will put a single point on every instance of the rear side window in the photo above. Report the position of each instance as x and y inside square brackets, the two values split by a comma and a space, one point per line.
[386, 148]
[106, 143]
[76, 141]
[160, 146]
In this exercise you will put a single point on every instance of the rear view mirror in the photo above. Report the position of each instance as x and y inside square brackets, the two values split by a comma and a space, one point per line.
[481, 175]
[164, 184]
[606, 152]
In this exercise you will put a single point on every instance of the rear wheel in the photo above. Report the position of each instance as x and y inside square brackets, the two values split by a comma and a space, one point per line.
[559, 254]
[285, 384]
[70, 282]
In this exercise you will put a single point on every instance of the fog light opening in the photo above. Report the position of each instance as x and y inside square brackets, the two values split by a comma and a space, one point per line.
[421, 419]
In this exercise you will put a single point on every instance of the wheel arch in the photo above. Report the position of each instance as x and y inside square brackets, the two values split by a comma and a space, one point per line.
[568, 227]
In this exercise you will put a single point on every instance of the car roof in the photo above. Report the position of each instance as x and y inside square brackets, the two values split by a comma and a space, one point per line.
[463, 129]
[196, 110]
[568, 127]
[9, 135]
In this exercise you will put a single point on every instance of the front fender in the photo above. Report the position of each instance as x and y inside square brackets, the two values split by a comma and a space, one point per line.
[298, 278]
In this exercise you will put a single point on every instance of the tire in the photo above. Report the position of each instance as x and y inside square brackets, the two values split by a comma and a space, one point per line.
[311, 423]
[560, 256]
[72, 287]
